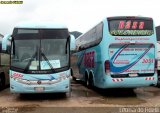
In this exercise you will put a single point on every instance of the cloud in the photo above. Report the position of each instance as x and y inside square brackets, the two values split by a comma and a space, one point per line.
[78, 15]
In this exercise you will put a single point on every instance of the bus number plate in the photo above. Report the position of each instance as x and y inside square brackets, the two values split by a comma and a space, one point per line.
[39, 89]
[133, 74]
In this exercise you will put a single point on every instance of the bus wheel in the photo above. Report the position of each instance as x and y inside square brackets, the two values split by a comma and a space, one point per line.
[90, 82]
[86, 82]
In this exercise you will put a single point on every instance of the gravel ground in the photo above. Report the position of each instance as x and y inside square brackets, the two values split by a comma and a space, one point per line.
[83, 100]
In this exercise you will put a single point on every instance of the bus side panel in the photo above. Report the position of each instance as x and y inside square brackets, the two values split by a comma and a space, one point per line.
[92, 60]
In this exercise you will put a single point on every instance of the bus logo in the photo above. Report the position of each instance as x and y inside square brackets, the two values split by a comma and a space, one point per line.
[39, 82]
[89, 59]
[16, 75]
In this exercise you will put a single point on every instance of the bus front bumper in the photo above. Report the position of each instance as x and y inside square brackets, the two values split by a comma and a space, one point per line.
[60, 87]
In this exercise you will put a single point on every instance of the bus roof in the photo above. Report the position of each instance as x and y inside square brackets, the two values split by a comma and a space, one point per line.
[129, 17]
[41, 25]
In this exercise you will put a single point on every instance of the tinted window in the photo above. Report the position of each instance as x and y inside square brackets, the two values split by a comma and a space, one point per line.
[23, 33]
[91, 38]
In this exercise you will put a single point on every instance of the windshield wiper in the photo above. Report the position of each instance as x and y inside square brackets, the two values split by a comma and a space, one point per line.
[29, 63]
[46, 59]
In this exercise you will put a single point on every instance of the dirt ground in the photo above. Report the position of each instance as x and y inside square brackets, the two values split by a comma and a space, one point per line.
[85, 100]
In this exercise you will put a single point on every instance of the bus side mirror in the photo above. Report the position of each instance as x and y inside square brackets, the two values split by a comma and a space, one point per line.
[5, 40]
[72, 43]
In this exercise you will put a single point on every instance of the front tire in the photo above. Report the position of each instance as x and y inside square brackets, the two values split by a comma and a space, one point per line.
[86, 82]
[90, 82]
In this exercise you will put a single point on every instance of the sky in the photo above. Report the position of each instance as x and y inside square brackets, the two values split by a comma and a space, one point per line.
[78, 15]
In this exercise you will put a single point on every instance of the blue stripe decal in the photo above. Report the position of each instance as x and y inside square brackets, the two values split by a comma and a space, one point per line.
[115, 69]
[50, 78]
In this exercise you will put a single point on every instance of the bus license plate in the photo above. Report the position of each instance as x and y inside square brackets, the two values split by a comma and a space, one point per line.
[133, 74]
[39, 89]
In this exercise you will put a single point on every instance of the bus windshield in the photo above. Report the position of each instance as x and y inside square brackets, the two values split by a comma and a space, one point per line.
[39, 53]
[130, 27]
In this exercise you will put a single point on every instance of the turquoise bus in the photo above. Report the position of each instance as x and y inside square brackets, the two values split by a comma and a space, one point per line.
[4, 65]
[40, 58]
[119, 52]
